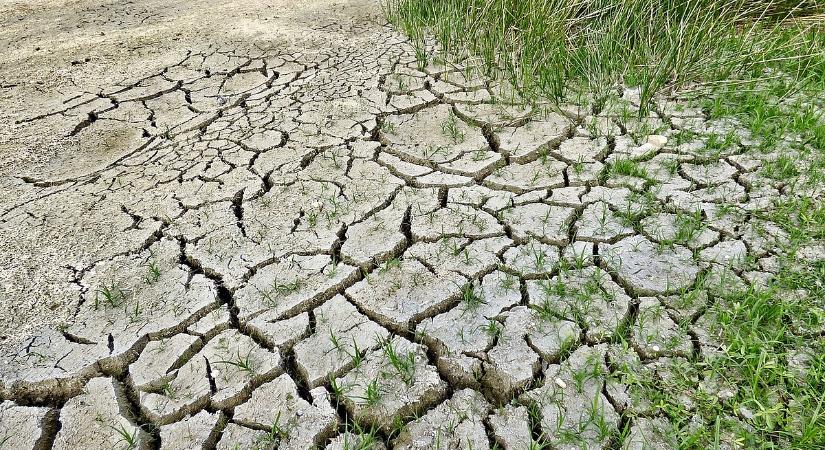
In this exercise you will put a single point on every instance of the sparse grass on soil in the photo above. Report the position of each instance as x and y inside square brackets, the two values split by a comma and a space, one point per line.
[761, 64]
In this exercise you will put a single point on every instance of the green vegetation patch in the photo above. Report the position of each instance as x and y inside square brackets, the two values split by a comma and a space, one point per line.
[561, 48]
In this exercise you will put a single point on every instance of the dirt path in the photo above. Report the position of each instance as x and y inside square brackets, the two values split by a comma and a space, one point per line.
[247, 222]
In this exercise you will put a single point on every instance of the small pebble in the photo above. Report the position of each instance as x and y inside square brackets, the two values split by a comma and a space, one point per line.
[657, 140]
[647, 147]
[560, 383]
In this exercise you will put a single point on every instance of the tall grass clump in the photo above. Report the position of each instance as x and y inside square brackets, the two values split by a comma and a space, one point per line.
[555, 48]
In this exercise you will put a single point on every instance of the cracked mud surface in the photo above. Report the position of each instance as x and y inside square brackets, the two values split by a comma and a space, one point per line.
[284, 230]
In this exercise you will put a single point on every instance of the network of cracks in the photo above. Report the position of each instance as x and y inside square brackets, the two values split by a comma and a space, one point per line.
[320, 249]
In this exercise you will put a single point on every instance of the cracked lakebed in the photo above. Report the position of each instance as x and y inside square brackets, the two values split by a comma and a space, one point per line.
[283, 240]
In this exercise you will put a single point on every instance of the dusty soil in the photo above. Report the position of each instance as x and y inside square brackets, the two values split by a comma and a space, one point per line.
[67, 59]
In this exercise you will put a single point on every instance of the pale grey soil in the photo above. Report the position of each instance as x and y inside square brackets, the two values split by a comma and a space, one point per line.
[249, 223]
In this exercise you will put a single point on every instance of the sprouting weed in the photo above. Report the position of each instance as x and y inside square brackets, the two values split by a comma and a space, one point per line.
[470, 297]
[338, 391]
[453, 246]
[134, 311]
[243, 363]
[404, 365]
[389, 265]
[629, 168]
[388, 127]
[431, 150]
[363, 440]
[312, 218]
[129, 438]
[535, 445]
[110, 293]
[372, 395]
[466, 258]
[153, 274]
[493, 328]
[451, 129]
[356, 356]
[333, 338]
[274, 434]
[286, 288]
[539, 259]
[277, 290]
[547, 311]
[508, 282]
[169, 391]
[401, 83]
[332, 269]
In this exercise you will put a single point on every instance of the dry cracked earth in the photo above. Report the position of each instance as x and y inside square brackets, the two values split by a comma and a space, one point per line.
[259, 225]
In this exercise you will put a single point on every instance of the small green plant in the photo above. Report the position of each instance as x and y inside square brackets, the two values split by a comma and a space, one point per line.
[153, 272]
[629, 168]
[128, 438]
[360, 439]
[508, 282]
[274, 434]
[333, 339]
[356, 356]
[244, 363]
[372, 395]
[451, 129]
[493, 329]
[404, 365]
[782, 168]
[389, 265]
[169, 391]
[111, 294]
[283, 289]
[470, 297]
[388, 127]
[338, 391]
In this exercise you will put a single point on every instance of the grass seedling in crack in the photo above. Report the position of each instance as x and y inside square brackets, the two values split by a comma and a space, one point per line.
[451, 129]
[508, 282]
[372, 395]
[453, 245]
[389, 265]
[333, 339]
[404, 365]
[493, 329]
[356, 356]
[362, 440]
[629, 168]
[169, 391]
[338, 391]
[274, 434]
[129, 439]
[111, 294]
[388, 127]
[332, 269]
[243, 363]
[153, 274]
[470, 298]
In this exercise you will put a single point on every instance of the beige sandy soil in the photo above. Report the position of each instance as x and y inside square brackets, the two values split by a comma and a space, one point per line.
[57, 57]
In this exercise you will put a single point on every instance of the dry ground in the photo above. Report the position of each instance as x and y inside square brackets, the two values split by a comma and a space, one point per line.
[253, 223]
